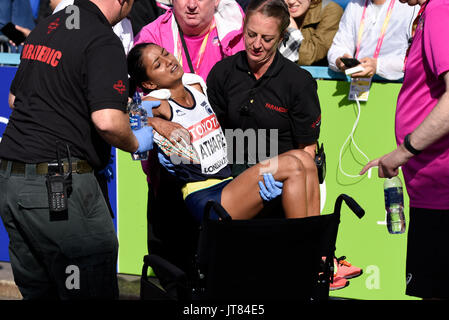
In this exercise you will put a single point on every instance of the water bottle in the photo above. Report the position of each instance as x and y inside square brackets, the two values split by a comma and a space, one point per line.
[137, 119]
[394, 205]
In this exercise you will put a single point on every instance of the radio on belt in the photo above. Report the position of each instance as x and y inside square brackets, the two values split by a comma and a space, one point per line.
[59, 186]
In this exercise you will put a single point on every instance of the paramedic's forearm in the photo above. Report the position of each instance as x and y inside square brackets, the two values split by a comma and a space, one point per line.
[113, 127]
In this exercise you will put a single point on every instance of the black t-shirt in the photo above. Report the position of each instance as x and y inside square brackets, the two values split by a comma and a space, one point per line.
[67, 71]
[284, 98]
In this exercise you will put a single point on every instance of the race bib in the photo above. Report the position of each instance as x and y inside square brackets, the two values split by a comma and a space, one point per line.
[207, 146]
[209, 142]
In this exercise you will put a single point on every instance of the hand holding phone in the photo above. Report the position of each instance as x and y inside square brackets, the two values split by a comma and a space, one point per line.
[13, 34]
[350, 62]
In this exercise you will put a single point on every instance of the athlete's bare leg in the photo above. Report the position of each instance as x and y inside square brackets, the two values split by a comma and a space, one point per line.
[241, 197]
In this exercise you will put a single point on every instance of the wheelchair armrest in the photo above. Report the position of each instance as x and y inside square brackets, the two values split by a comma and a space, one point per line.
[221, 212]
[172, 279]
[161, 266]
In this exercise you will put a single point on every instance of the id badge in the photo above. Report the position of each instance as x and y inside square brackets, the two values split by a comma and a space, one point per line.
[359, 88]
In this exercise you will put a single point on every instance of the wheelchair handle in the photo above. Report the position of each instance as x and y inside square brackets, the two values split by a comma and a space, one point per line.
[351, 203]
[221, 212]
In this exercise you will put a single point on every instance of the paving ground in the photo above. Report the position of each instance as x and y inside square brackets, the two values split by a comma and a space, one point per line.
[129, 285]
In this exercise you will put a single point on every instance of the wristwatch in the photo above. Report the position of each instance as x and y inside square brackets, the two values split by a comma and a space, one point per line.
[409, 147]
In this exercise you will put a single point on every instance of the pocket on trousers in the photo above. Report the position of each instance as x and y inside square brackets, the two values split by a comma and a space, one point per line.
[33, 200]
[33, 215]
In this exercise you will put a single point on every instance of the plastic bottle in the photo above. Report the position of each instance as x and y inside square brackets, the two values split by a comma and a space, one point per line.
[394, 205]
[137, 119]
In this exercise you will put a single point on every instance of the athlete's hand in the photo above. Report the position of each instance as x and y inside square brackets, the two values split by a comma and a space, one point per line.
[271, 189]
[108, 171]
[165, 162]
[171, 130]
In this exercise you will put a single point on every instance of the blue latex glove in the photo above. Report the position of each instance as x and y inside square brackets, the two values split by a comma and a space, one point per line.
[271, 189]
[144, 136]
[149, 105]
[108, 171]
[165, 162]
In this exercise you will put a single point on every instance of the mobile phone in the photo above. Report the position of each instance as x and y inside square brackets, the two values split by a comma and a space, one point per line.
[13, 34]
[350, 62]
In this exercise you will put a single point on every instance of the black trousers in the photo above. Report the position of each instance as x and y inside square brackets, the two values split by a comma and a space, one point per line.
[75, 258]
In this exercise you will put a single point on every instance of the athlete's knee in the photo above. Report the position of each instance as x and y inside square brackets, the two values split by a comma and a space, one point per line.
[306, 159]
[292, 166]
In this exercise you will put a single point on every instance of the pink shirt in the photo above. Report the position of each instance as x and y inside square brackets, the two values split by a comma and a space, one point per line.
[160, 32]
[426, 175]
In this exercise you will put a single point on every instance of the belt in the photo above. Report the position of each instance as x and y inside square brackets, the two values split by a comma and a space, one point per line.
[78, 166]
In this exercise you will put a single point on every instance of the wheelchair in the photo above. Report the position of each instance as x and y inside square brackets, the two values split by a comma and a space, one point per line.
[258, 259]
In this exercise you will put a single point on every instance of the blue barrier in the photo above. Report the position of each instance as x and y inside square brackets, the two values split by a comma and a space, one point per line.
[325, 73]
[6, 76]
[9, 58]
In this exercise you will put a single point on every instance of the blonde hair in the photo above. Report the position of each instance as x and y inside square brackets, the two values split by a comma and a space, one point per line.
[270, 8]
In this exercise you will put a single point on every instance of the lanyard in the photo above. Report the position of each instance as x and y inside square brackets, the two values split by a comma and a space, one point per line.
[200, 53]
[416, 21]
[382, 32]
[414, 26]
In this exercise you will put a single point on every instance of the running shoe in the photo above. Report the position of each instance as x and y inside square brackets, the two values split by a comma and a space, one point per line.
[345, 270]
[338, 283]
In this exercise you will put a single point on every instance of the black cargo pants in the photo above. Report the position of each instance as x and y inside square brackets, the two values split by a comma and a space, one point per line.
[67, 259]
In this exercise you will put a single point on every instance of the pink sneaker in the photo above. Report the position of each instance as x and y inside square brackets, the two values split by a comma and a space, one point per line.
[345, 269]
[338, 283]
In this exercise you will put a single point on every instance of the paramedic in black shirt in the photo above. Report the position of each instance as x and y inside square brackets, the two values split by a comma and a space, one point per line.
[71, 86]
[259, 94]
